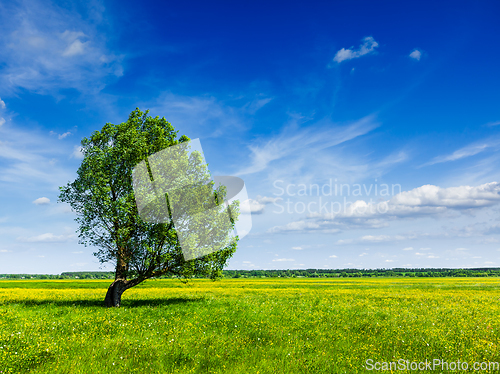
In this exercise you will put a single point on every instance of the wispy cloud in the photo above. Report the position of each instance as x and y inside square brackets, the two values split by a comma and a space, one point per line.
[204, 116]
[294, 142]
[369, 44]
[467, 151]
[491, 124]
[29, 158]
[44, 57]
[47, 238]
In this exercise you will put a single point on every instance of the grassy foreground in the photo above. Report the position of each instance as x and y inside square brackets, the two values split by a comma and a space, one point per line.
[247, 326]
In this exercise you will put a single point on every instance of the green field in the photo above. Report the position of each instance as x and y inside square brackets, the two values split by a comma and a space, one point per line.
[248, 326]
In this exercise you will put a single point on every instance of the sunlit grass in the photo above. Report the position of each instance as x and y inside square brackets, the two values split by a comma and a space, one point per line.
[246, 326]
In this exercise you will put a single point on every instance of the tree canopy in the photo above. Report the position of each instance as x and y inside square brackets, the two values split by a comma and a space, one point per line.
[103, 197]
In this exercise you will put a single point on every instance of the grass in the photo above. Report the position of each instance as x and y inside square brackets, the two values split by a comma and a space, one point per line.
[247, 326]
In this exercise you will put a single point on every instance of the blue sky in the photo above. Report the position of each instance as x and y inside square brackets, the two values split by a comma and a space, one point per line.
[397, 97]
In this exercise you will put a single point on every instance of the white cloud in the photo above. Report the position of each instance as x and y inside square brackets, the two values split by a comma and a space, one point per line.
[491, 124]
[255, 105]
[463, 197]
[344, 241]
[283, 259]
[306, 226]
[62, 136]
[408, 249]
[76, 48]
[42, 201]
[295, 143]
[2, 121]
[298, 248]
[2, 104]
[77, 152]
[375, 238]
[424, 201]
[368, 46]
[462, 249]
[207, 116]
[47, 238]
[256, 206]
[252, 206]
[45, 57]
[467, 151]
[266, 200]
[28, 157]
[4, 251]
[333, 256]
[416, 54]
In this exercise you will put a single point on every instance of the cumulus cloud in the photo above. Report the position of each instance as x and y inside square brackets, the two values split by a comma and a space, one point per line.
[257, 205]
[42, 201]
[416, 54]
[368, 46]
[424, 201]
[62, 136]
[463, 197]
[252, 206]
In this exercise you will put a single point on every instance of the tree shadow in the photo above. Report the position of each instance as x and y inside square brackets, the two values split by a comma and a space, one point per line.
[130, 303]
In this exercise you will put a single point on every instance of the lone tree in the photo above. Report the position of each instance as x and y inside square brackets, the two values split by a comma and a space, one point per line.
[103, 198]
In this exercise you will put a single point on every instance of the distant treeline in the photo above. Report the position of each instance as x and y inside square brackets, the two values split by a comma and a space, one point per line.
[73, 275]
[346, 273]
[309, 273]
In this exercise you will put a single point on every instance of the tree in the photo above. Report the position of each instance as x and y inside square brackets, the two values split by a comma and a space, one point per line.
[103, 197]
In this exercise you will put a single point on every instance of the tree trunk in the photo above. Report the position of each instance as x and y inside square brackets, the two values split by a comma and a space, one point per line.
[114, 294]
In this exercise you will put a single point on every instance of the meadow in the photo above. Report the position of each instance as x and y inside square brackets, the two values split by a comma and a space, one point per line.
[287, 325]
